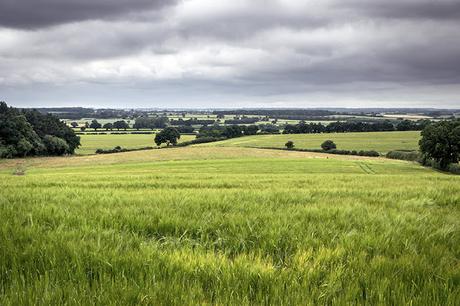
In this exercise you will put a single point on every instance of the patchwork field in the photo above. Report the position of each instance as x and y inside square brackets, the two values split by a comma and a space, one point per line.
[90, 143]
[227, 225]
[379, 141]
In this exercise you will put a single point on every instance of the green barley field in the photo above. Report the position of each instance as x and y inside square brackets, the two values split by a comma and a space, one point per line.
[90, 143]
[379, 141]
[227, 226]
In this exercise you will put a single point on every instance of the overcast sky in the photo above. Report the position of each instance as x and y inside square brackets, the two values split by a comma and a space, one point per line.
[239, 53]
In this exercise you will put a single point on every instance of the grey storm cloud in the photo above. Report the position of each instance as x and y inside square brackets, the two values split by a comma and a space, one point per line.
[32, 14]
[211, 53]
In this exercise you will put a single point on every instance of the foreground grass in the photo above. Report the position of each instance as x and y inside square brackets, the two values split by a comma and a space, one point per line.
[90, 143]
[379, 141]
[238, 230]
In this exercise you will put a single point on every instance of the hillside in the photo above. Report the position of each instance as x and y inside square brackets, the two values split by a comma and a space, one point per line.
[227, 225]
[381, 142]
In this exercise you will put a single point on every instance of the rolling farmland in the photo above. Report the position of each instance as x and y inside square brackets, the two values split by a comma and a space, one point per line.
[227, 225]
[90, 143]
[379, 141]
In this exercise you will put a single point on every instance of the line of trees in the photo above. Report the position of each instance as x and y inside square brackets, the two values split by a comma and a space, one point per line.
[31, 133]
[350, 126]
[229, 131]
[244, 120]
[192, 121]
[150, 123]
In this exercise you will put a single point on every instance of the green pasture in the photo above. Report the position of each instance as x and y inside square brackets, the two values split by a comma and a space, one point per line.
[378, 141]
[90, 143]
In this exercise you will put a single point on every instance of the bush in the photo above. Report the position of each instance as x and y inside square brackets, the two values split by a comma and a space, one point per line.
[404, 155]
[289, 144]
[328, 145]
[119, 149]
[370, 153]
[454, 168]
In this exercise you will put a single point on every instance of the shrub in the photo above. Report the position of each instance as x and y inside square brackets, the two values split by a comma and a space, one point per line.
[404, 155]
[119, 149]
[454, 168]
[328, 145]
[289, 144]
[370, 153]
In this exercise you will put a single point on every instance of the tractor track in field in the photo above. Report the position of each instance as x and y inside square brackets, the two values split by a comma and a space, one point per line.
[366, 168]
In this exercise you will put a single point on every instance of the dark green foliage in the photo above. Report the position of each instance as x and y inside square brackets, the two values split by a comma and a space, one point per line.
[404, 155]
[454, 168]
[119, 149]
[350, 126]
[370, 153]
[244, 120]
[108, 126]
[192, 121]
[48, 124]
[74, 124]
[328, 145]
[185, 129]
[233, 131]
[121, 124]
[289, 144]
[250, 129]
[229, 131]
[55, 145]
[150, 123]
[169, 136]
[441, 142]
[95, 125]
[23, 133]
[269, 129]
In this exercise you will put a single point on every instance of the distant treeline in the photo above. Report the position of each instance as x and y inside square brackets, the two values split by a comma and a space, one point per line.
[277, 112]
[150, 123]
[192, 121]
[77, 113]
[31, 133]
[244, 120]
[341, 127]
[229, 131]
[232, 131]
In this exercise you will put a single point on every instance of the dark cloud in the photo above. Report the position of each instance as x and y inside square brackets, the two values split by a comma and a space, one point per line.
[206, 51]
[407, 9]
[31, 14]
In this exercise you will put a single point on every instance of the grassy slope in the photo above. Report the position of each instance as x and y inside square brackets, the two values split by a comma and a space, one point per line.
[90, 143]
[379, 141]
[228, 225]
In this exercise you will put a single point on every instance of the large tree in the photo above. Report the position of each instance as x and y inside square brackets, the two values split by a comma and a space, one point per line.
[121, 124]
[441, 142]
[95, 125]
[168, 135]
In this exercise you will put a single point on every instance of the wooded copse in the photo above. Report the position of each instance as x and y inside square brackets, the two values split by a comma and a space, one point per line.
[31, 133]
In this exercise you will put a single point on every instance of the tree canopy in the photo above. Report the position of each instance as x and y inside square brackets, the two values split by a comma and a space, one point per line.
[29, 133]
[441, 142]
[121, 124]
[169, 135]
[328, 145]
